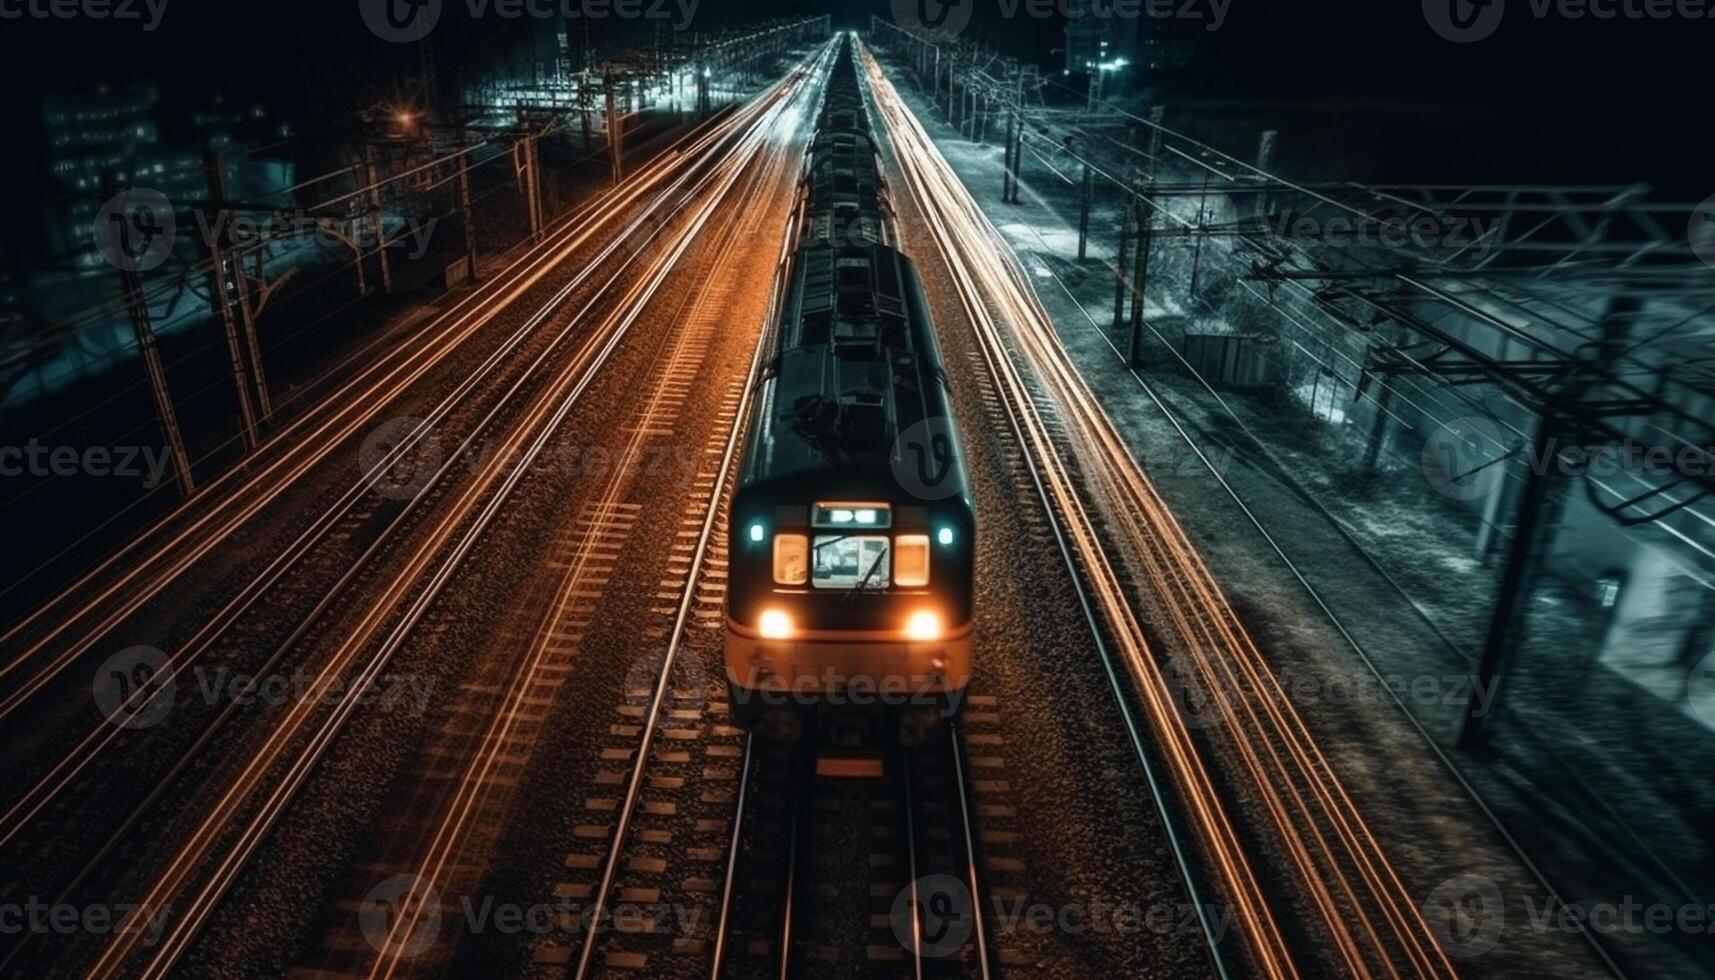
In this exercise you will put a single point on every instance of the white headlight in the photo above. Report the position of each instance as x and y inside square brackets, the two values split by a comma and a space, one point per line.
[774, 625]
[923, 625]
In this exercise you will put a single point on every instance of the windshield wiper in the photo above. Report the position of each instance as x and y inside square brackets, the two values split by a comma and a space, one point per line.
[863, 583]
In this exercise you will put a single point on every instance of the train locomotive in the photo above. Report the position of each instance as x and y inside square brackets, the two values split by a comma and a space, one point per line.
[852, 534]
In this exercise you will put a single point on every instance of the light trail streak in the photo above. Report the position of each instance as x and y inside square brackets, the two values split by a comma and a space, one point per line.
[1371, 918]
[64, 774]
[504, 470]
[450, 830]
[231, 500]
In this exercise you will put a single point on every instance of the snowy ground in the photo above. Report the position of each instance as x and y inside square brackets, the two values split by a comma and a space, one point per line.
[1370, 597]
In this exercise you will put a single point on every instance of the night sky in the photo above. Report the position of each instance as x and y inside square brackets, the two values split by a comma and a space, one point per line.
[1599, 100]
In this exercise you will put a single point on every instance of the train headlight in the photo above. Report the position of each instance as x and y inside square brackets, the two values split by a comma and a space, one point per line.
[923, 625]
[945, 536]
[757, 531]
[774, 625]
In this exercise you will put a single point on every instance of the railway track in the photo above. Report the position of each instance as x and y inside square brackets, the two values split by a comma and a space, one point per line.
[873, 876]
[58, 633]
[402, 604]
[699, 318]
[1117, 536]
[351, 559]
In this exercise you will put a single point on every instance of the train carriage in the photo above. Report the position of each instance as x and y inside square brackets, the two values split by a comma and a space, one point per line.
[852, 531]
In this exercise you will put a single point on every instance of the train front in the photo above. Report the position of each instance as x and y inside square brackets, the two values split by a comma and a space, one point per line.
[852, 535]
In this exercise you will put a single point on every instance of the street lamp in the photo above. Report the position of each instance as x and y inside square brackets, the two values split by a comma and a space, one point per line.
[1098, 74]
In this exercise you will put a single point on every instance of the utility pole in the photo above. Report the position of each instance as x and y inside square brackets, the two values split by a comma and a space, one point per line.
[427, 77]
[1265, 163]
[1119, 268]
[466, 208]
[247, 320]
[1198, 233]
[137, 307]
[1140, 278]
[526, 150]
[372, 173]
[1537, 512]
[615, 143]
[1087, 188]
[221, 298]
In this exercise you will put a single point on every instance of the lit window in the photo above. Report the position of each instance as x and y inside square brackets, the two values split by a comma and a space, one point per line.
[850, 561]
[791, 559]
[911, 560]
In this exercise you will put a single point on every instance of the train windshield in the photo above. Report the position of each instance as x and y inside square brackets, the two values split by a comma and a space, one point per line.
[851, 561]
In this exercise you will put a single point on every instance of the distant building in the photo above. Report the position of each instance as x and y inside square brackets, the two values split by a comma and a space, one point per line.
[106, 138]
[1136, 51]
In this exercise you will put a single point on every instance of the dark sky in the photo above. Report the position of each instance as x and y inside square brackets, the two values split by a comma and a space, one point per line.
[1608, 91]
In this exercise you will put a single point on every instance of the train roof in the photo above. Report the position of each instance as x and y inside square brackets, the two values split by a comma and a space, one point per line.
[854, 364]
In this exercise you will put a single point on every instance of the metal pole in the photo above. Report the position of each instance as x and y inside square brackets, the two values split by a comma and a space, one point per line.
[1197, 246]
[1506, 625]
[221, 297]
[1265, 161]
[131, 287]
[614, 146]
[373, 172]
[1119, 268]
[247, 320]
[1084, 213]
[467, 210]
[1140, 281]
